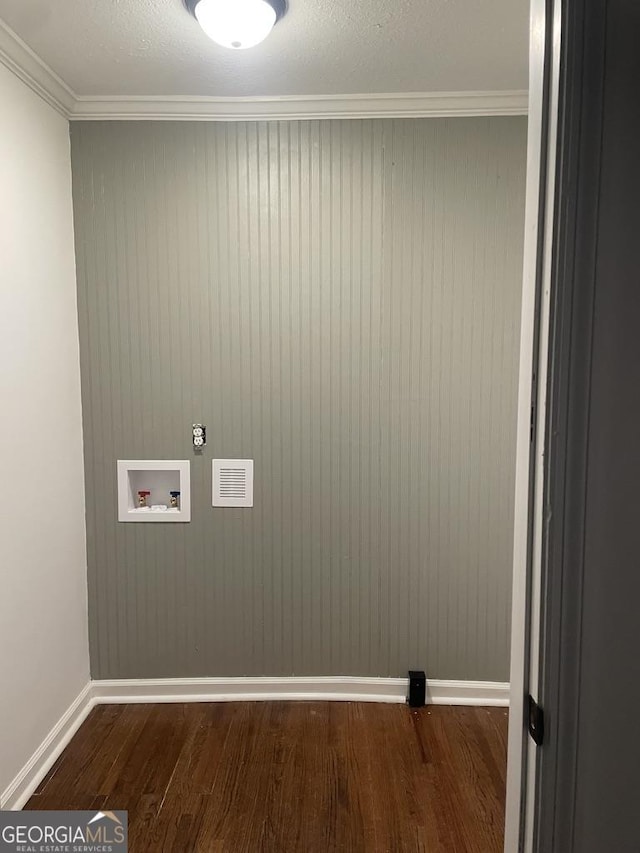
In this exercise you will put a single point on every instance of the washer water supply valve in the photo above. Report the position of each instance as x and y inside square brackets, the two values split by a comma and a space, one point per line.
[199, 436]
[173, 503]
[142, 498]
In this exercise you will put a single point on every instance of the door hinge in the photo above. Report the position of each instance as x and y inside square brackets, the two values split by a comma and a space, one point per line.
[536, 721]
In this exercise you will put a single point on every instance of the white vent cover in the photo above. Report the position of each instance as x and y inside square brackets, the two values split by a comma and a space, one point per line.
[233, 482]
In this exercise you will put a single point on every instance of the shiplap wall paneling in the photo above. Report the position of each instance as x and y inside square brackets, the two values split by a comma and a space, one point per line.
[339, 301]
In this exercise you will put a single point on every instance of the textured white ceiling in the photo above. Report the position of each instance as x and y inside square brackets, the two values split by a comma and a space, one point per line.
[320, 47]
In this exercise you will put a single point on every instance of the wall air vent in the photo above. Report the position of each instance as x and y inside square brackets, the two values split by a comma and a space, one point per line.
[232, 482]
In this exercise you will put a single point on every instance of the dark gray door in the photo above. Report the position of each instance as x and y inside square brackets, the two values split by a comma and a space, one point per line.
[589, 766]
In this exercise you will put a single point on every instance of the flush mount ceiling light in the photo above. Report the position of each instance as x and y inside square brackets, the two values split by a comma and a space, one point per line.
[237, 24]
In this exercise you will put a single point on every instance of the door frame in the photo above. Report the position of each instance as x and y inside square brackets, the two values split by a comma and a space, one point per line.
[542, 135]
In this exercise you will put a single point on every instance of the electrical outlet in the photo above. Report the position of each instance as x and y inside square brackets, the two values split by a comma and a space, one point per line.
[199, 433]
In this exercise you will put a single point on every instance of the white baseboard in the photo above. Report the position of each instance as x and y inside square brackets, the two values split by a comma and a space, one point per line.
[321, 688]
[25, 783]
[479, 693]
[246, 689]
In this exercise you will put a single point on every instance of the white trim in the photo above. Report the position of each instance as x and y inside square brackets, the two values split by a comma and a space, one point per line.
[545, 260]
[474, 693]
[520, 594]
[28, 66]
[322, 688]
[410, 105]
[29, 777]
[525, 651]
[25, 64]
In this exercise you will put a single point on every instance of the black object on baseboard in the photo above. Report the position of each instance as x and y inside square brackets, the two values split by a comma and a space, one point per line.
[417, 688]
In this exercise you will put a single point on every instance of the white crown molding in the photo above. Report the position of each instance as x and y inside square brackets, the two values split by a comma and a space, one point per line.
[28, 66]
[167, 690]
[25, 64]
[410, 105]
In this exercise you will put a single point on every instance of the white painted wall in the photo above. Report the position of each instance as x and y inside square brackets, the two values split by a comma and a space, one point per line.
[44, 661]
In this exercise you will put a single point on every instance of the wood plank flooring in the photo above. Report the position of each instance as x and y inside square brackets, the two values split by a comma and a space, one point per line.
[290, 777]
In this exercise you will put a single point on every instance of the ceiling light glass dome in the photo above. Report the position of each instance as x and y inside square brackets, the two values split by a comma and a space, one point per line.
[237, 24]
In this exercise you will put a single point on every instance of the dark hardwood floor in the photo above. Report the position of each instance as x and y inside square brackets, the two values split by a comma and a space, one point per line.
[290, 777]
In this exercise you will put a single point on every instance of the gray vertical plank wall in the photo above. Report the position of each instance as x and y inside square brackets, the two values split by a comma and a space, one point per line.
[338, 300]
